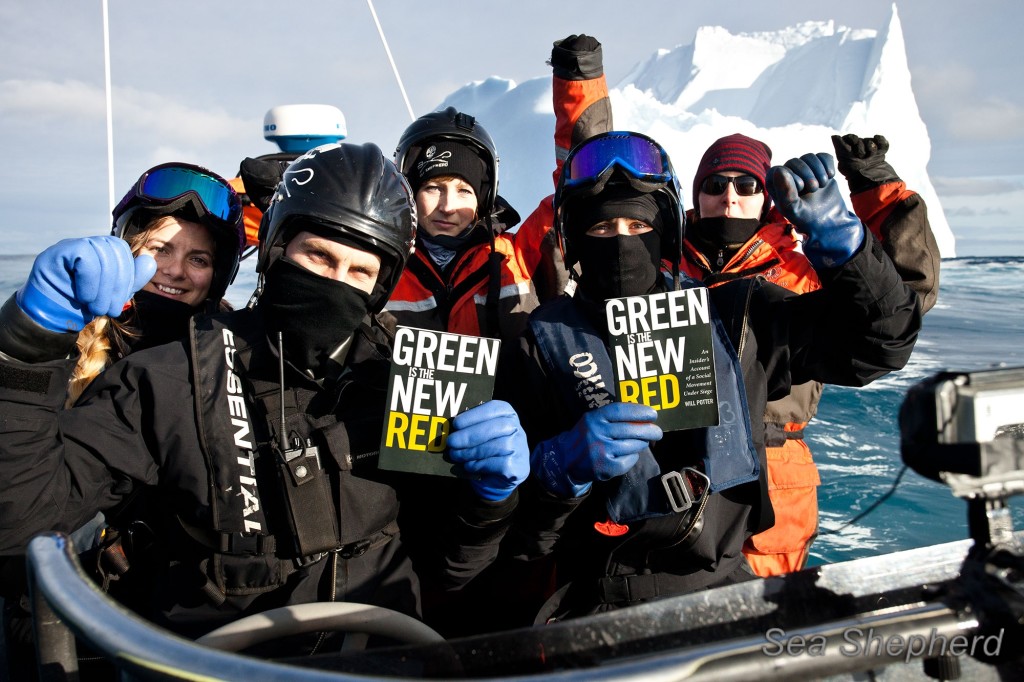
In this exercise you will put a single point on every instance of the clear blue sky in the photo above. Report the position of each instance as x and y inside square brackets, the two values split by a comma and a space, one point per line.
[192, 80]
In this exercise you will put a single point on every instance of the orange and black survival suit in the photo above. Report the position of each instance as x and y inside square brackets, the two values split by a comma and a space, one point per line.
[897, 219]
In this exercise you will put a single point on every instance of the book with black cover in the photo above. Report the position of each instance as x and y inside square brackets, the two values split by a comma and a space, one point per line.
[434, 376]
[663, 357]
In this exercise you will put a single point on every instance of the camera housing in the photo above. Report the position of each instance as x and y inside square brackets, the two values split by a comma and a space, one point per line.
[966, 429]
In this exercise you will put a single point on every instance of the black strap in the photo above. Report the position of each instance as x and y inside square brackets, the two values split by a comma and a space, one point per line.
[229, 543]
[626, 589]
[29, 379]
[494, 261]
[776, 435]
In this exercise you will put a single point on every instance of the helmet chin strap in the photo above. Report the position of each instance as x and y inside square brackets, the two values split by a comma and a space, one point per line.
[255, 296]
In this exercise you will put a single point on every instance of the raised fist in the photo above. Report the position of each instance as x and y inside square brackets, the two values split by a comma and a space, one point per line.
[806, 193]
[862, 161]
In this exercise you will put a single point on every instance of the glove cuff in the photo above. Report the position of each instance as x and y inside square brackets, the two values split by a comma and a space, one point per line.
[574, 65]
[492, 494]
[54, 316]
[22, 338]
[480, 511]
[861, 180]
[546, 463]
[839, 252]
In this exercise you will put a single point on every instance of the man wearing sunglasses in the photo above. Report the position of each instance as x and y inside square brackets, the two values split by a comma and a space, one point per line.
[258, 435]
[735, 231]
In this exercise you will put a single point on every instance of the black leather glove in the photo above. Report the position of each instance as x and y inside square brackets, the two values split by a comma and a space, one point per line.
[577, 58]
[261, 177]
[862, 162]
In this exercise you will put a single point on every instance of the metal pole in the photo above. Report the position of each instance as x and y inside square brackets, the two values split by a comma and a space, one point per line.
[110, 119]
[394, 67]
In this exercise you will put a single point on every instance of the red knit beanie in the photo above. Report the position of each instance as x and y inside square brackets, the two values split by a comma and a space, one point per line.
[735, 152]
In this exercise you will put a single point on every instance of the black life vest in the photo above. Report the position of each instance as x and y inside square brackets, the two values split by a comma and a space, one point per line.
[272, 509]
[576, 355]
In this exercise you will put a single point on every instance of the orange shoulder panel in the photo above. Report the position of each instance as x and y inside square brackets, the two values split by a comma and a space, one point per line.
[874, 205]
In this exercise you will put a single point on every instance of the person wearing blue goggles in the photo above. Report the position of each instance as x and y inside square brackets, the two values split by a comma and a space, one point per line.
[182, 224]
[195, 195]
[619, 183]
[628, 507]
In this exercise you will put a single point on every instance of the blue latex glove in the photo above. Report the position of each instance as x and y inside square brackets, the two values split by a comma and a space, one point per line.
[488, 447]
[603, 444]
[805, 191]
[75, 280]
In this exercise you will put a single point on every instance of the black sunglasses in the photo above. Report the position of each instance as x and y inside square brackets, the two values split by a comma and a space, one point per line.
[746, 185]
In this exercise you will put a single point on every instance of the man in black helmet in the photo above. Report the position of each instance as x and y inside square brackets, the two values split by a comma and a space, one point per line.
[260, 432]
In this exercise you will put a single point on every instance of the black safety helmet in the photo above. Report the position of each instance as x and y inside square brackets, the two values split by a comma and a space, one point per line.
[193, 193]
[352, 190]
[619, 158]
[451, 124]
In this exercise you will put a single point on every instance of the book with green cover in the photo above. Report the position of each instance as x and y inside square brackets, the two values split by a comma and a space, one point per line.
[434, 376]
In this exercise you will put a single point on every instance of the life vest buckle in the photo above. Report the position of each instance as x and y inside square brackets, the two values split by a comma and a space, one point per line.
[685, 487]
[355, 549]
[303, 561]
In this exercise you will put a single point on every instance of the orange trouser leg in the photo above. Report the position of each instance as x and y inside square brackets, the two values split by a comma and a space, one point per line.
[793, 488]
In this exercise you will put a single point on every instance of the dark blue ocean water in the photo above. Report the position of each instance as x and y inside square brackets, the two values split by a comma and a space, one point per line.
[977, 323]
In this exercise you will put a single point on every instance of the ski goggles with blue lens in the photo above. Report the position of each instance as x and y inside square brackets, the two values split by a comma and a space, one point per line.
[636, 154]
[169, 182]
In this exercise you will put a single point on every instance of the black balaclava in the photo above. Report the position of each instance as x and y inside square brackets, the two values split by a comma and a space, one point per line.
[315, 315]
[157, 319]
[723, 232]
[624, 265]
[620, 266]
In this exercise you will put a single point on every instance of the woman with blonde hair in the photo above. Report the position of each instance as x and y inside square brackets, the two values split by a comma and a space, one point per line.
[183, 228]
[188, 220]
[176, 240]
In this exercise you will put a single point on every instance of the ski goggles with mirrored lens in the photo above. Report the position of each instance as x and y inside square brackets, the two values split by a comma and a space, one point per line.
[746, 185]
[166, 183]
[636, 154]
